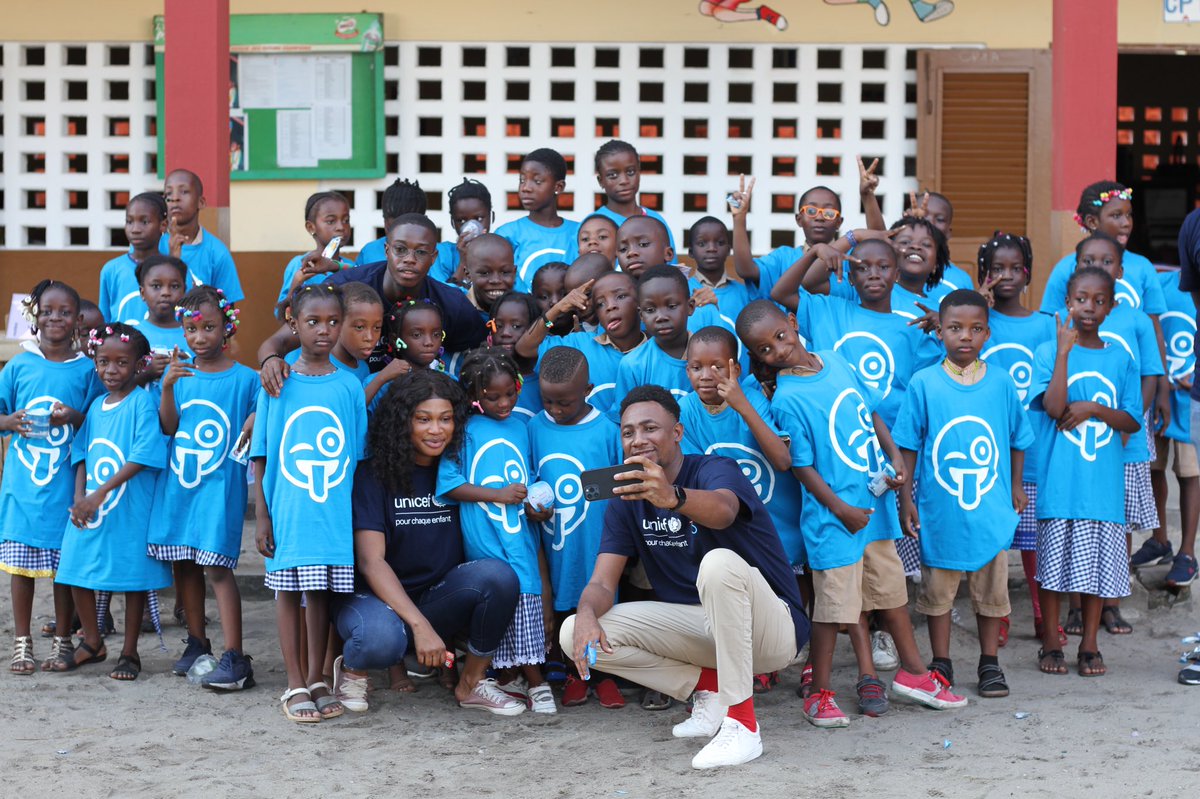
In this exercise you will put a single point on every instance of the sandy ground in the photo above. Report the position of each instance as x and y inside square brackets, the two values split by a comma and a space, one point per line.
[1132, 733]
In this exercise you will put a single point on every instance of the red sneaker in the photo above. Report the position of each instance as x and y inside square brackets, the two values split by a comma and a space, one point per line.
[822, 711]
[929, 689]
[575, 692]
[772, 17]
[609, 694]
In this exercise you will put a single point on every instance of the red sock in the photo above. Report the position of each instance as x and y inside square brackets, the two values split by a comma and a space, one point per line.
[707, 681]
[744, 712]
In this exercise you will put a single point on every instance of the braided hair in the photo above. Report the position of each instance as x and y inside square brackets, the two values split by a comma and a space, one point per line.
[481, 366]
[31, 305]
[189, 307]
[143, 269]
[1012, 241]
[403, 197]
[315, 200]
[290, 307]
[469, 190]
[1095, 196]
[127, 334]
[393, 324]
[613, 147]
[389, 433]
[154, 199]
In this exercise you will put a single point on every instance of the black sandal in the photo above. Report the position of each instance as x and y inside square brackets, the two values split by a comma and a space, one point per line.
[1058, 661]
[991, 681]
[1091, 664]
[1114, 623]
[1074, 625]
[655, 700]
[64, 659]
[127, 669]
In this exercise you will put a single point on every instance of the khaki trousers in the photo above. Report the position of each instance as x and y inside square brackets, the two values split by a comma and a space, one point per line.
[740, 628]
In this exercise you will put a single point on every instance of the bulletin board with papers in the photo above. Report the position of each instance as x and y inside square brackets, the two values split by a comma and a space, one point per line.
[305, 95]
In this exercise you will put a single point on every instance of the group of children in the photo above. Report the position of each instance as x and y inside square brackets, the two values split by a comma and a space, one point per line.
[895, 421]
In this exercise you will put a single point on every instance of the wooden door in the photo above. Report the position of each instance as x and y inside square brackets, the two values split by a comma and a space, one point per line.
[984, 140]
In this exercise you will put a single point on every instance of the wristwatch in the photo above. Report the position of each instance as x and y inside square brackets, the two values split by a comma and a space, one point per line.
[680, 498]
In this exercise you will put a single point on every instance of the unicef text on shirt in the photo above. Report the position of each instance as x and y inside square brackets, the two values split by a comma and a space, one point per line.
[427, 501]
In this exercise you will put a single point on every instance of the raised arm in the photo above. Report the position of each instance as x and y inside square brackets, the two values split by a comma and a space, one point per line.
[743, 258]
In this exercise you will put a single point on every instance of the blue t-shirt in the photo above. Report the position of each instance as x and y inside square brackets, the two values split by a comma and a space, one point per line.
[963, 437]
[571, 538]
[732, 297]
[535, 246]
[1179, 333]
[647, 364]
[423, 541]
[163, 339]
[109, 553]
[955, 278]
[446, 264]
[770, 268]
[603, 360]
[828, 418]
[312, 436]
[904, 302]
[1189, 265]
[1081, 472]
[120, 296]
[604, 210]
[209, 264]
[529, 401]
[882, 348]
[361, 370]
[1134, 332]
[1011, 346]
[38, 486]
[495, 453]
[289, 274]
[726, 433]
[372, 252]
[1139, 288]
[671, 546]
[201, 497]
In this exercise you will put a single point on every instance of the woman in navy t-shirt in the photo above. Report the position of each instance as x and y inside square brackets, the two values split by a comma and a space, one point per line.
[413, 592]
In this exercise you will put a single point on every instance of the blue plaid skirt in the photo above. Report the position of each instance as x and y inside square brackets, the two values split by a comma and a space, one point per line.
[26, 561]
[1140, 511]
[524, 642]
[339, 579]
[201, 557]
[1026, 537]
[1083, 555]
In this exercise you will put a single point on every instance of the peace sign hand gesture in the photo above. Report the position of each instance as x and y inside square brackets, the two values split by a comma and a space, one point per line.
[742, 197]
[868, 181]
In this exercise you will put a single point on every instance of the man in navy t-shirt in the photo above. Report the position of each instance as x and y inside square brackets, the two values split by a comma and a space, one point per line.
[715, 561]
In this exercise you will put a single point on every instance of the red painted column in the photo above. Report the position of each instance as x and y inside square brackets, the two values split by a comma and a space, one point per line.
[196, 82]
[1084, 51]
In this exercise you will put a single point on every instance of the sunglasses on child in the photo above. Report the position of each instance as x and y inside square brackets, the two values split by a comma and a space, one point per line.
[812, 212]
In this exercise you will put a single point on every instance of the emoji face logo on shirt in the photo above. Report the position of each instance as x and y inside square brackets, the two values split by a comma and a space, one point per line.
[43, 457]
[852, 433]
[513, 470]
[200, 449]
[870, 357]
[1127, 294]
[601, 396]
[104, 459]
[753, 464]
[966, 460]
[1179, 329]
[311, 451]
[1019, 361]
[1093, 435]
[1118, 340]
[121, 309]
[570, 509]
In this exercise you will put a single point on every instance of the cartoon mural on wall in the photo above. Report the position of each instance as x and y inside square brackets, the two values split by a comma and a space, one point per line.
[731, 11]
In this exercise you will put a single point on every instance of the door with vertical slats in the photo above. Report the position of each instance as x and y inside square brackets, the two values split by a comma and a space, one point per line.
[984, 140]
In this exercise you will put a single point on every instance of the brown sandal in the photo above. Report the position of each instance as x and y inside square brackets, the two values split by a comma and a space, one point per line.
[1091, 664]
[1057, 662]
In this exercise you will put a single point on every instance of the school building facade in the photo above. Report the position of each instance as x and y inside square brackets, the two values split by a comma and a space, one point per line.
[1009, 108]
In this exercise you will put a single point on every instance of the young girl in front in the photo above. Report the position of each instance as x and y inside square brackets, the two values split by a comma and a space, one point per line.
[489, 483]
[305, 445]
[145, 222]
[50, 383]
[163, 281]
[197, 522]
[1088, 393]
[413, 335]
[1005, 268]
[118, 454]
[512, 315]
[358, 335]
[326, 217]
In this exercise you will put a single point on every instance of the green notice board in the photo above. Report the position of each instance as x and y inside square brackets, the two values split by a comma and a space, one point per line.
[305, 99]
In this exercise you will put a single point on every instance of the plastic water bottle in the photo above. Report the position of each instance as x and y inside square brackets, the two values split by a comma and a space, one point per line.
[471, 229]
[202, 665]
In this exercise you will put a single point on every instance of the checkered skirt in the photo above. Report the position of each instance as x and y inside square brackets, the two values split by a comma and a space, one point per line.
[1083, 555]
[524, 642]
[339, 579]
[1026, 537]
[201, 557]
[909, 549]
[26, 561]
[1140, 511]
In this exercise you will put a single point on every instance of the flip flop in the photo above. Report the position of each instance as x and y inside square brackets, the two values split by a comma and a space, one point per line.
[1114, 623]
[127, 669]
[1058, 661]
[1089, 662]
[1074, 625]
[290, 711]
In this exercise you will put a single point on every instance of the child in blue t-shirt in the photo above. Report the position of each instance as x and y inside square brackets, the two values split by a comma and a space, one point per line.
[1086, 391]
[598, 234]
[488, 264]
[118, 454]
[665, 307]
[838, 443]
[1174, 444]
[206, 409]
[542, 236]
[362, 325]
[163, 282]
[938, 209]
[512, 315]
[120, 295]
[471, 216]
[1005, 269]
[963, 432]
[567, 438]
[489, 481]
[52, 383]
[413, 335]
[305, 446]
[710, 247]
[326, 216]
[208, 260]
[619, 173]
[548, 289]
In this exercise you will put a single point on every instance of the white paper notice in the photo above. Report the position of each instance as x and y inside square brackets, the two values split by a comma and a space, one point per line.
[256, 81]
[293, 139]
[331, 131]
[276, 81]
[331, 79]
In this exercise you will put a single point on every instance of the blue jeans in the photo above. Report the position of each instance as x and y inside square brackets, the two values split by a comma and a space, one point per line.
[478, 597]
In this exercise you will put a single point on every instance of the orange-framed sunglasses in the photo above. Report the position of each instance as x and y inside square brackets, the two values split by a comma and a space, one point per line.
[812, 212]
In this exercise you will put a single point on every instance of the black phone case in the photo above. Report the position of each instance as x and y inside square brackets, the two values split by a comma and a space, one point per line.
[598, 484]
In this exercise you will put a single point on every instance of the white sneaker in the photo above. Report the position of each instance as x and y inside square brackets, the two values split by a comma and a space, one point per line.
[488, 696]
[349, 689]
[517, 688]
[883, 651]
[707, 714]
[733, 746]
[541, 699]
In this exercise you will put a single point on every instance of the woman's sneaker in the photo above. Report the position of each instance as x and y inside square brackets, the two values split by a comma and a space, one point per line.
[1151, 553]
[541, 699]
[822, 711]
[194, 649]
[929, 689]
[1183, 571]
[488, 696]
[233, 673]
[350, 689]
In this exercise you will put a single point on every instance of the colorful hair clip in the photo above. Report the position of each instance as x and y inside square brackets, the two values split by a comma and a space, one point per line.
[400, 345]
[490, 325]
[477, 406]
[124, 338]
